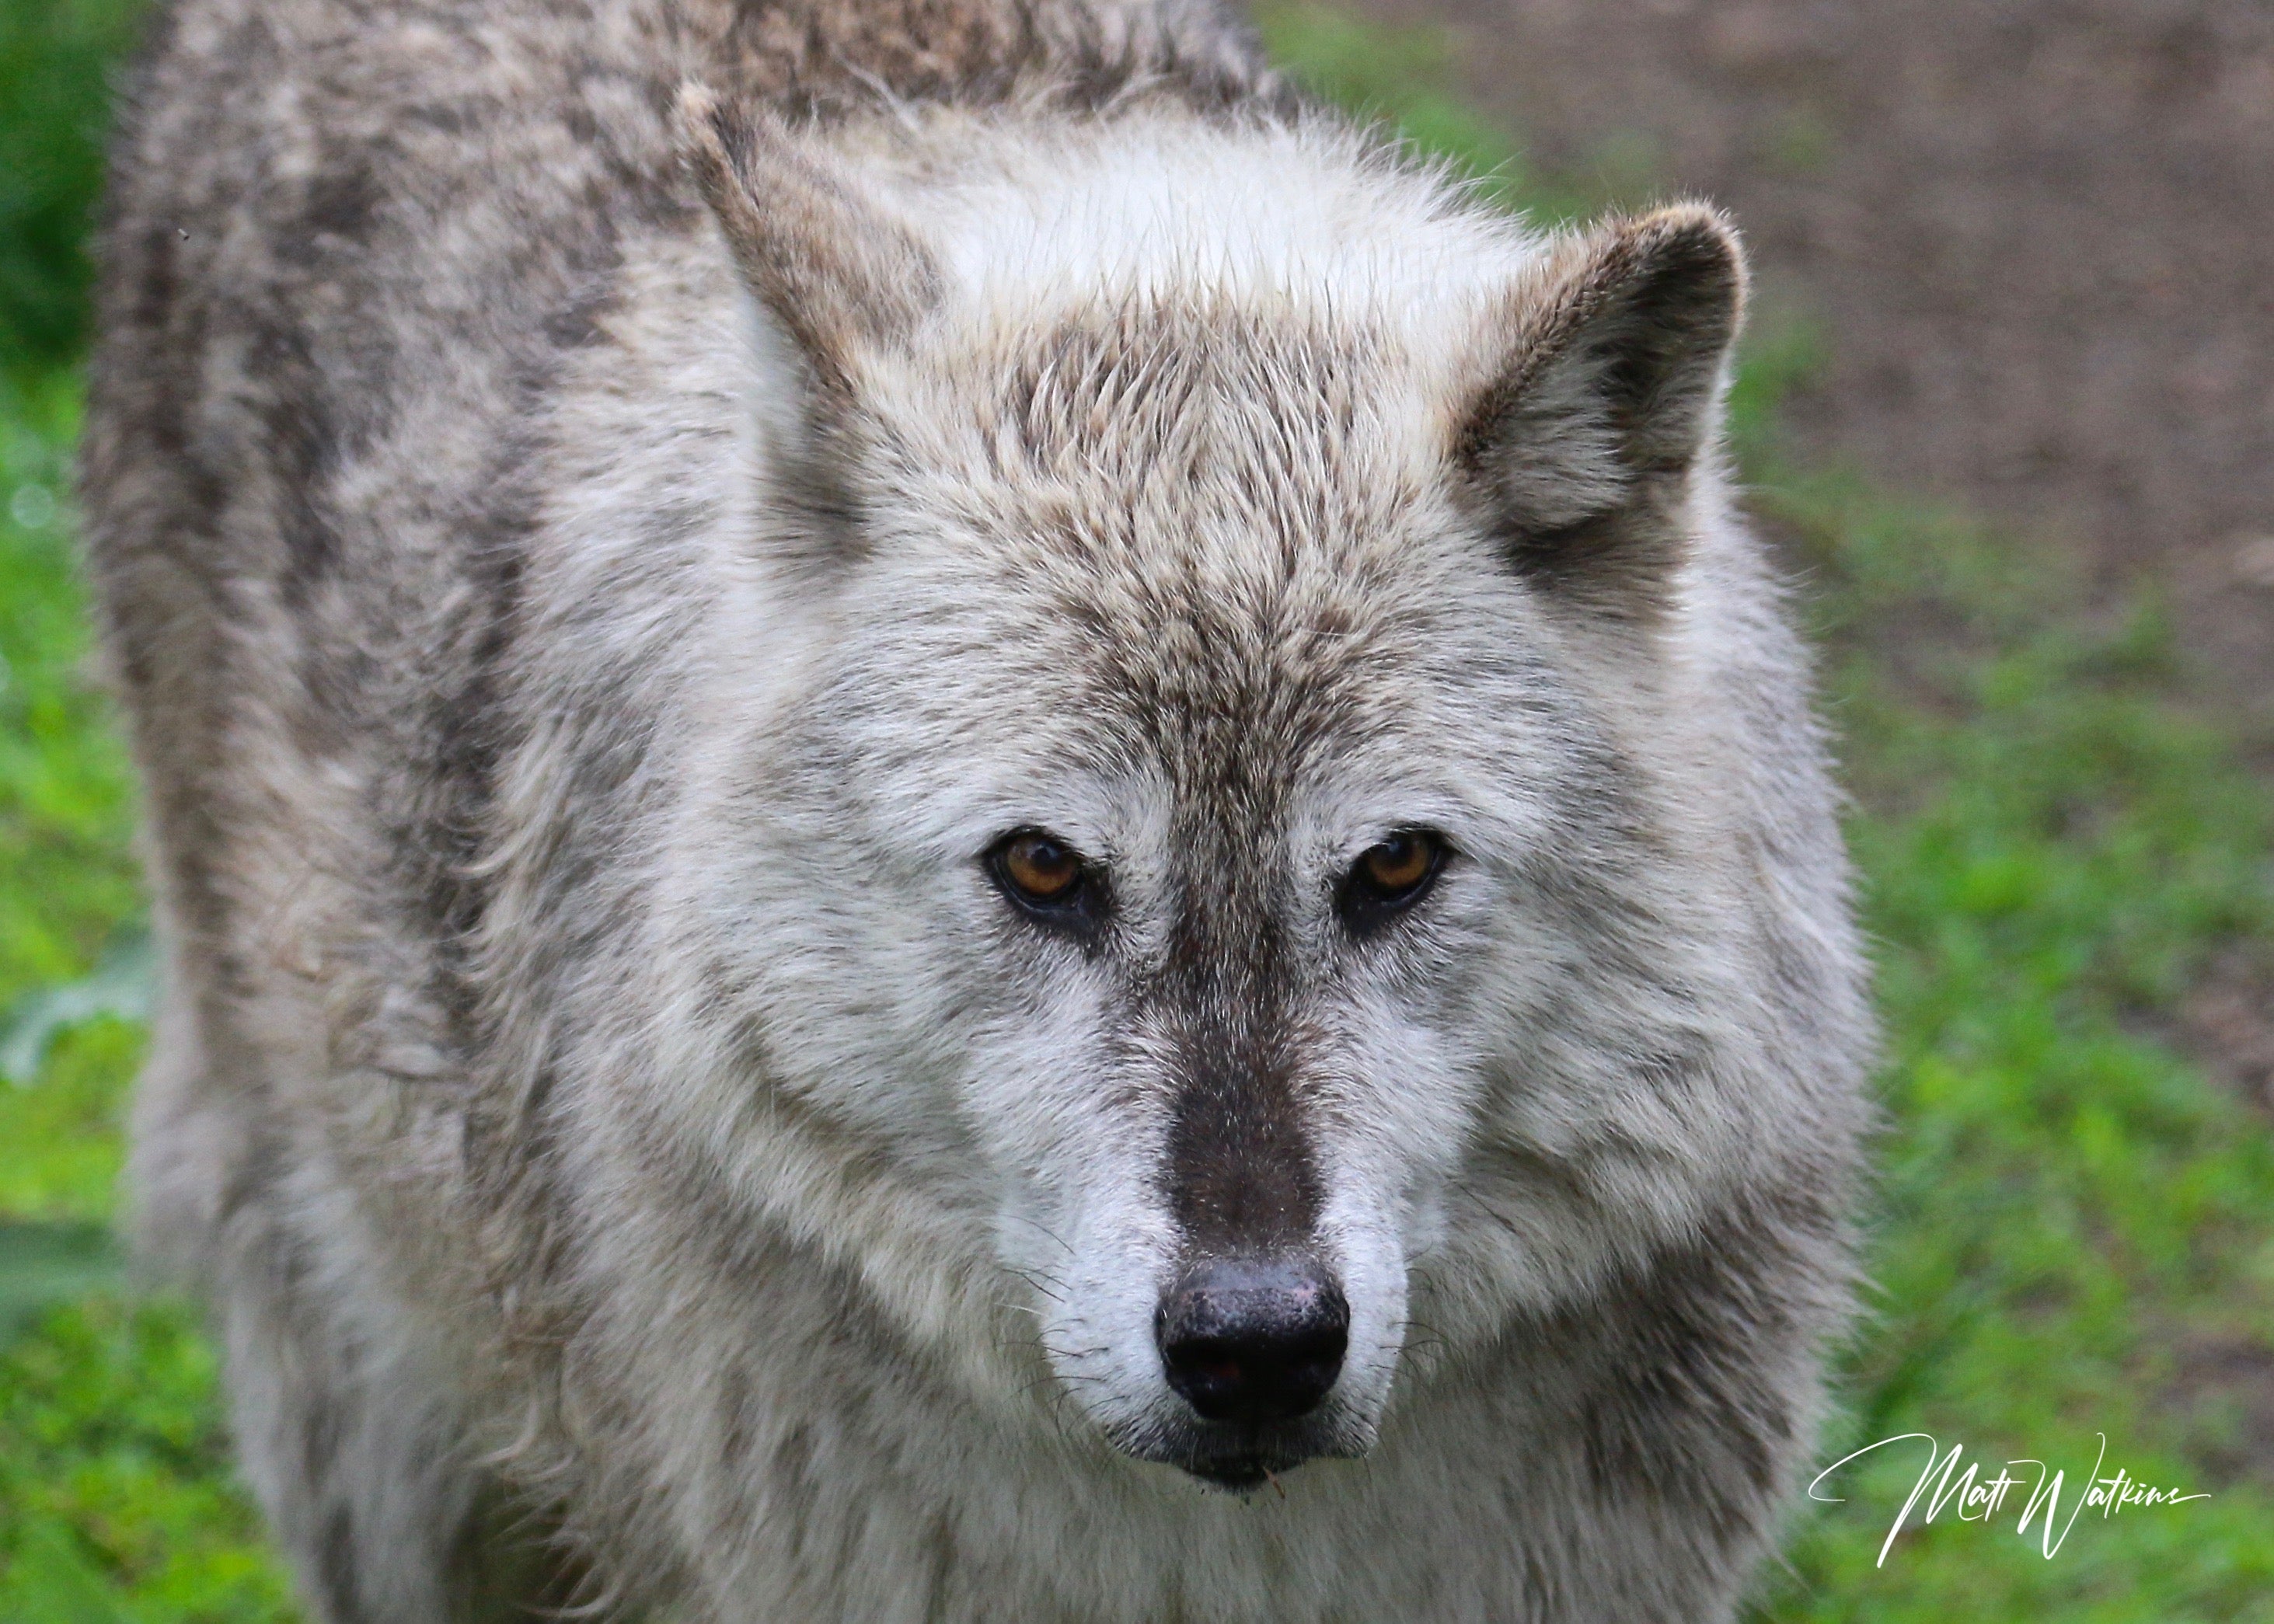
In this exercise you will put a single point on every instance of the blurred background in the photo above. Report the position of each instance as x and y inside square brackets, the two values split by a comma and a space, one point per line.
[2007, 412]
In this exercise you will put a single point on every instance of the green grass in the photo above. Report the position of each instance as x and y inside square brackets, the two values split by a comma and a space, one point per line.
[2050, 846]
[117, 1500]
[2051, 850]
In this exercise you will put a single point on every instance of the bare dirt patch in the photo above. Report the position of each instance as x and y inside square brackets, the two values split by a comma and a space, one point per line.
[2227, 1023]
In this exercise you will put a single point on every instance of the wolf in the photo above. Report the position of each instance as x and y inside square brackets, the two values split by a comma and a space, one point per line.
[954, 819]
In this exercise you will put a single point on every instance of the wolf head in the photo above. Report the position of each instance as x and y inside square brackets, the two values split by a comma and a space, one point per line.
[1238, 830]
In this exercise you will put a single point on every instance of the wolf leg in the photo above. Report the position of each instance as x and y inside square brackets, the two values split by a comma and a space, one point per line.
[354, 1441]
[347, 1422]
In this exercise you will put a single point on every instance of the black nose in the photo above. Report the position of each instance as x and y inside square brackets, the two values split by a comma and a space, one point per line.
[1253, 1340]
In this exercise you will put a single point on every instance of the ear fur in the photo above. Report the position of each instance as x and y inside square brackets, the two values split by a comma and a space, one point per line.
[837, 274]
[1584, 439]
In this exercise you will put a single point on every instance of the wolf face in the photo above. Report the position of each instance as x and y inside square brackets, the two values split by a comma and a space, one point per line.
[1219, 700]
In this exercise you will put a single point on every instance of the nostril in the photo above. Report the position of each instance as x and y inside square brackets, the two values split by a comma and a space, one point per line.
[1247, 1340]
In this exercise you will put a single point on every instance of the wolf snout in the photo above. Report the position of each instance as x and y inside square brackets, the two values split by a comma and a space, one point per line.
[1248, 1339]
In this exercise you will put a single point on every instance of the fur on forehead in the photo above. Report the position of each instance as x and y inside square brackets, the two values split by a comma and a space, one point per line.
[1189, 393]
[1301, 217]
[1223, 519]
[1252, 343]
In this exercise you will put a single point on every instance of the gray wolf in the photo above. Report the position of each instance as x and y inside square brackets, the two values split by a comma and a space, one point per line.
[953, 820]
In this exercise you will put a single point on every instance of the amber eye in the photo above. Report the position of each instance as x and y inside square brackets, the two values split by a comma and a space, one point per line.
[1037, 870]
[1401, 863]
[1391, 877]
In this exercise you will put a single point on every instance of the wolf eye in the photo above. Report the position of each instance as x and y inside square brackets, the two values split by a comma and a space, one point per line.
[1391, 877]
[1039, 871]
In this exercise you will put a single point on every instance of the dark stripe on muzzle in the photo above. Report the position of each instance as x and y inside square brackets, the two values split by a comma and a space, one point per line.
[1242, 1181]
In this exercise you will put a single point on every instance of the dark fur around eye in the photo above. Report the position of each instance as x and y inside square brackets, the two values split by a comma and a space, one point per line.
[1368, 900]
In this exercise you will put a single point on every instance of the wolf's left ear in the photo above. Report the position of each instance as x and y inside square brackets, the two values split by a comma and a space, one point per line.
[838, 274]
[1581, 444]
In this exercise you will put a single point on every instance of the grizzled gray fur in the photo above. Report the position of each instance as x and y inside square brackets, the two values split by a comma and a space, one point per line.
[953, 822]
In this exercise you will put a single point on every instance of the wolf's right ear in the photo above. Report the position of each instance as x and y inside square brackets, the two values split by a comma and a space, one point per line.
[837, 274]
[1580, 446]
